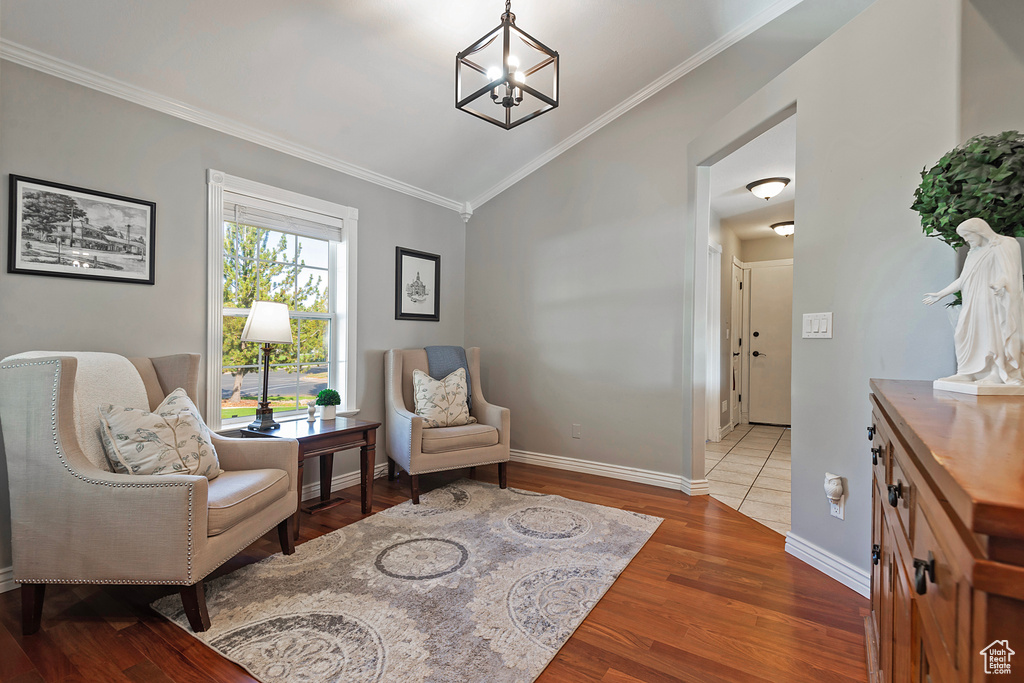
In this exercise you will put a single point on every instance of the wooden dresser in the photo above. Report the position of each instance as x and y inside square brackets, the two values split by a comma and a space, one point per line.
[947, 534]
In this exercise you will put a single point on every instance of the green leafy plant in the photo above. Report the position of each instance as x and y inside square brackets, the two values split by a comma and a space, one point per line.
[983, 178]
[328, 397]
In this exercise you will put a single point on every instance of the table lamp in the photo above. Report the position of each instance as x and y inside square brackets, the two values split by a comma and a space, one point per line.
[267, 324]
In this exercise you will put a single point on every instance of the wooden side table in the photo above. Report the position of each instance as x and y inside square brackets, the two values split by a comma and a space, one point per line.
[322, 439]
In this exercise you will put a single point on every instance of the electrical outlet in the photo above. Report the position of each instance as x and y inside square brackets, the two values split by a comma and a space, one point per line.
[838, 510]
[577, 431]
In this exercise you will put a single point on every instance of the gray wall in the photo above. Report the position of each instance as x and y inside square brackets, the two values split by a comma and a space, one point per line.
[766, 249]
[875, 103]
[575, 281]
[574, 275]
[55, 130]
[993, 67]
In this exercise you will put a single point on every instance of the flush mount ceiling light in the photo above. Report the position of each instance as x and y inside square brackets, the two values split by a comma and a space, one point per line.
[491, 76]
[768, 187]
[785, 228]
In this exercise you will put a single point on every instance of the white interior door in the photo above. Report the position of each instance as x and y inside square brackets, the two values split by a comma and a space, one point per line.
[770, 343]
[735, 348]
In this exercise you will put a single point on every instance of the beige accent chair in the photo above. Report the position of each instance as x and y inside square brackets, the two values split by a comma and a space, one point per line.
[75, 521]
[419, 450]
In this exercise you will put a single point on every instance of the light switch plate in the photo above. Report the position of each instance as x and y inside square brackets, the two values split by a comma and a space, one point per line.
[817, 326]
[577, 431]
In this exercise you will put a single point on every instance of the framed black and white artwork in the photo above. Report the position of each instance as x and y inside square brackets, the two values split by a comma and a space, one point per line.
[417, 285]
[66, 231]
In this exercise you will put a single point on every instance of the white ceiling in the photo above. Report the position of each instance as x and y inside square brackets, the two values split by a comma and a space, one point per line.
[771, 155]
[370, 83]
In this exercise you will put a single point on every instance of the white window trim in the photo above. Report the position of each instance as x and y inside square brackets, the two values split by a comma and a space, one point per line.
[218, 183]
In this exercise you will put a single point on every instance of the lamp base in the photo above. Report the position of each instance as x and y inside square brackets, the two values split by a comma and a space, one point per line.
[264, 421]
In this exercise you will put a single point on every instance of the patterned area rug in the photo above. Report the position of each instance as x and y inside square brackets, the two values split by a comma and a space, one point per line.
[473, 584]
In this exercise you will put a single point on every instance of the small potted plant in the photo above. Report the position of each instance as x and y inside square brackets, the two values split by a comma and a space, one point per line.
[330, 400]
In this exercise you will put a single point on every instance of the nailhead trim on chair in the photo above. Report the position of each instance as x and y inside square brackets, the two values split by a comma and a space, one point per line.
[56, 443]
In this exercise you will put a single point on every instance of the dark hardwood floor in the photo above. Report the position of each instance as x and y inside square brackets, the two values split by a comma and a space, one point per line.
[712, 597]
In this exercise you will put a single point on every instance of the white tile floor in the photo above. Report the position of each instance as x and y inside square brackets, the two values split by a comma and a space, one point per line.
[748, 470]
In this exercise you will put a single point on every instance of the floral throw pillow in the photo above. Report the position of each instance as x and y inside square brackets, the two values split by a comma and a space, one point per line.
[442, 402]
[173, 439]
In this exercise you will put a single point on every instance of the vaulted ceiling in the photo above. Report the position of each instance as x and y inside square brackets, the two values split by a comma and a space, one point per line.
[367, 86]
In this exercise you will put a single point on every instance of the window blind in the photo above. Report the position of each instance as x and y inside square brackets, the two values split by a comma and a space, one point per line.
[272, 216]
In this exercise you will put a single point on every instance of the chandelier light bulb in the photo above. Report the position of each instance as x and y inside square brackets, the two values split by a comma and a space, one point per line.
[767, 188]
[519, 77]
[513, 62]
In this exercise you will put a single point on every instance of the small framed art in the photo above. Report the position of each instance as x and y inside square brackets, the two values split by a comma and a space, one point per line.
[66, 231]
[417, 285]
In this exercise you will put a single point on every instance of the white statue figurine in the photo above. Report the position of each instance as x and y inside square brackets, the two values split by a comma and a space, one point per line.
[988, 336]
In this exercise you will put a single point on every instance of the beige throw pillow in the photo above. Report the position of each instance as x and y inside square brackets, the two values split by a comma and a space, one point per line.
[442, 402]
[173, 439]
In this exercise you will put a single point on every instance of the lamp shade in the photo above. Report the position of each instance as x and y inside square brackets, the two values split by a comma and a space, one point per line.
[268, 324]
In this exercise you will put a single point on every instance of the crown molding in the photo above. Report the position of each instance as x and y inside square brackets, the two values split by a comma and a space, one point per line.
[33, 59]
[728, 40]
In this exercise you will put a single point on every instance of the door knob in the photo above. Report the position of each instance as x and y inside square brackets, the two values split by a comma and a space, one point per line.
[755, 354]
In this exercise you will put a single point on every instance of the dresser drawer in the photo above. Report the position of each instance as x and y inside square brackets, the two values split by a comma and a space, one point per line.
[880, 447]
[899, 492]
[937, 584]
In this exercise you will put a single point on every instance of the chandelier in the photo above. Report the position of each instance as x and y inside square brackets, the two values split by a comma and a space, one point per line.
[507, 77]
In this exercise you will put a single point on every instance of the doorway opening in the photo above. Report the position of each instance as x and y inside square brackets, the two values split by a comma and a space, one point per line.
[750, 328]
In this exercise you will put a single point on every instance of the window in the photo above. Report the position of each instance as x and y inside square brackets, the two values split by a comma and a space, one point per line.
[274, 245]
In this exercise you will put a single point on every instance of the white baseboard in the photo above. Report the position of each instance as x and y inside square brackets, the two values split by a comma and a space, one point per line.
[7, 580]
[695, 487]
[676, 482]
[724, 432]
[830, 565]
[341, 481]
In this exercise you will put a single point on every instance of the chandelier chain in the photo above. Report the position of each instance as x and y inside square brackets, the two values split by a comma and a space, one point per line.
[508, 6]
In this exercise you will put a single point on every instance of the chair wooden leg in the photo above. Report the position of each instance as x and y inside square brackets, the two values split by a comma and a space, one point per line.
[194, 600]
[31, 607]
[503, 475]
[286, 534]
[472, 473]
[414, 488]
[391, 470]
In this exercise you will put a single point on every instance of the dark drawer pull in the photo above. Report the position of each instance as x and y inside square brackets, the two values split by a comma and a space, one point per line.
[871, 433]
[875, 452]
[876, 553]
[895, 493]
[924, 572]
